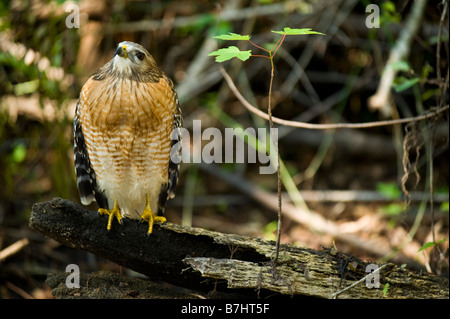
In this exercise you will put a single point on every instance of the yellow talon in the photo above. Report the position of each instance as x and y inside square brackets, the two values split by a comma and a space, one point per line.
[147, 215]
[114, 212]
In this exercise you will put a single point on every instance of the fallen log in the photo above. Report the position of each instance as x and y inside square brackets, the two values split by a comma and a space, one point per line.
[210, 261]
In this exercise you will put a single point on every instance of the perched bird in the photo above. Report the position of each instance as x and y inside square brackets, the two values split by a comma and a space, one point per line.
[127, 124]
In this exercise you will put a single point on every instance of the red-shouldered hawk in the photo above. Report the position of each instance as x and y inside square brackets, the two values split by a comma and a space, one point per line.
[127, 121]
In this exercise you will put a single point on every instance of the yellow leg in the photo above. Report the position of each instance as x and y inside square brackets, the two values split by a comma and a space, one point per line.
[114, 212]
[147, 215]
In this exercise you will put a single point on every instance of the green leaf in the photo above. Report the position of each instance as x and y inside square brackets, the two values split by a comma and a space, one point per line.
[389, 6]
[431, 244]
[445, 207]
[389, 12]
[232, 36]
[400, 66]
[426, 245]
[392, 209]
[269, 230]
[226, 54]
[19, 153]
[386, 288]
[404, 84]
[426, 70]
[389, 190]
[429, 93]
[289, 31]
[26, 87]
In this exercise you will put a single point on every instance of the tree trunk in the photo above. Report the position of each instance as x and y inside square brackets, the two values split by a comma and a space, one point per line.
[185, 256]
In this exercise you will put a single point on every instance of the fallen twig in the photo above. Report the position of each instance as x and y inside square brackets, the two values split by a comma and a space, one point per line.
[381, 100]
[334, 295]
[312, 126]
[13, 248]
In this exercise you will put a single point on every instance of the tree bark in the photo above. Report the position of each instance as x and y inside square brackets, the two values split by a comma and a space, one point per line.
[185, 256]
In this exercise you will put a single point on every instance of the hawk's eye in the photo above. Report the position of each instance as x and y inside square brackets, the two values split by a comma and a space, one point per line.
[140, 56]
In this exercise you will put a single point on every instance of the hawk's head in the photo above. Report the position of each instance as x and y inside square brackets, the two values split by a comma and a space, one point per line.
[133, 61]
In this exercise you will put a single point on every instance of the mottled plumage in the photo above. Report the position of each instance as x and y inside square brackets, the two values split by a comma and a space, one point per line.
[123, 128]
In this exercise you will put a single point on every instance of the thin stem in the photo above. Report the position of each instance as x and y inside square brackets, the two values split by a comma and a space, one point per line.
[282, 39]
[277, 44]
[260, 56]
[259, 47]
[431, 169]
[275, 143]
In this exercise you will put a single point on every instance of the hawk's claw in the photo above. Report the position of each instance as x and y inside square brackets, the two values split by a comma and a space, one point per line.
[148, 216]
[115, 212]
[151, 219]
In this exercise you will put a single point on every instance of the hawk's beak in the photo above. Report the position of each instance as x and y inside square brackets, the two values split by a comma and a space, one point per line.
[121, 51]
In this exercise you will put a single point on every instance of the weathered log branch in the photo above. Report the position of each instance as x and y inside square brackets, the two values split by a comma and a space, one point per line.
[185, 256]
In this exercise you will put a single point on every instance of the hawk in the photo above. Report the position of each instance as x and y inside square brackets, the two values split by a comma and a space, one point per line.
[127, 138]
